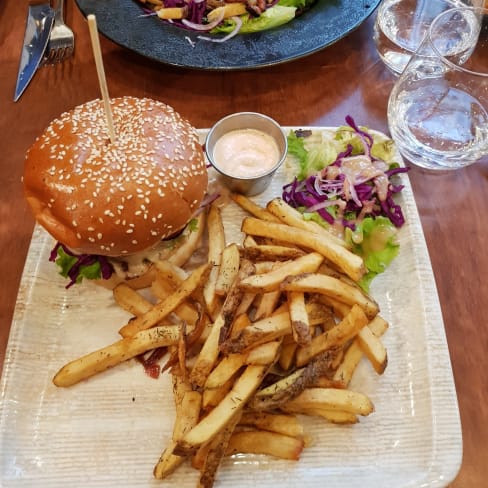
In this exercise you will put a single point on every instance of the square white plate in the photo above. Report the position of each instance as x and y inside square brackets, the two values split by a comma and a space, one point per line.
[110, 430]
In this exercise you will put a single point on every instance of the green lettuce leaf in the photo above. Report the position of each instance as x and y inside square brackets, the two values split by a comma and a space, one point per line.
[313, 159]
[193, 225]
[296, 148]
[375, 241]
[273, 17]
[346, 136]
[383, 149]
[65, 262]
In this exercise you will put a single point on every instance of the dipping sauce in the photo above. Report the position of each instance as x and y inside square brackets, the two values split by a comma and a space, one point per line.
[245, 153]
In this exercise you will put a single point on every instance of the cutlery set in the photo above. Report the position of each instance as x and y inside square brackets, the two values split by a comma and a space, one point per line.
[47, 40]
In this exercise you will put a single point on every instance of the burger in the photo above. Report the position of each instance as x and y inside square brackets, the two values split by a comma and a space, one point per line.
[115, 205]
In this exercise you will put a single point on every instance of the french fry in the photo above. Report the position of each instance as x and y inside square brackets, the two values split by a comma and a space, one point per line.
[208, 355]
[287, 355]
[347, 329]
[300, 325]
[271, 281]
[246, 302]
[213, 396]
[324, 382]
[164, 308]
[267, 303]
[181, 351]
[333, 399]
[192, 236]
[319, 313]
[180, 387]
[216, 451]
[217, 419]
[142, 281]
[187, 416]
[327, 285]
[345, 260]
[221, 327]
[283, 384]
[373, 349]
[229, 267]
[249, 206]
[118, 352]
[264, 266]
[264, 353]
[216, 244]
[288, 215]
[340, 309]
[270, 252]
[265, 442]
[354, 353]
[190, 340]
[279, 393]
[241, 321]
[162, 289]
[131, 301]
[274, 422]
[171, 272]
[334, 416]
[259, 332]
[227, 367]
[249, 241]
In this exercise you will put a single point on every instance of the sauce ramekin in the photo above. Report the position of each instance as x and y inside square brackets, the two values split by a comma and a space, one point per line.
[246, 185]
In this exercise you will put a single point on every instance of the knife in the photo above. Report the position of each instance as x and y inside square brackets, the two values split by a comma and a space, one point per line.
[37, 30]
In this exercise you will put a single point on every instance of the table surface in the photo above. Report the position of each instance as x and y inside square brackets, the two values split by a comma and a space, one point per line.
[319, 90]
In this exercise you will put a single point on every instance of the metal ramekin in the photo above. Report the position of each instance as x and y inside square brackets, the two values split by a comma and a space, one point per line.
[246, 120]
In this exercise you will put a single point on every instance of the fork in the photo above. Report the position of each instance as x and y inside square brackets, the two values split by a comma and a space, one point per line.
[62, 40]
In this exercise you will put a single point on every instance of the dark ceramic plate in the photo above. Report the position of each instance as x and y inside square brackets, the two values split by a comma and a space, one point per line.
[325, 23]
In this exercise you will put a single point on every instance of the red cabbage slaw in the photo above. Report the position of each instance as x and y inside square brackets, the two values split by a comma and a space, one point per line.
[75, 266]
[352, 187]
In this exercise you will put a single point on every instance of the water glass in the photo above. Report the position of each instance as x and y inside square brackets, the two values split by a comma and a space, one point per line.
[438, 108]
[401, 25]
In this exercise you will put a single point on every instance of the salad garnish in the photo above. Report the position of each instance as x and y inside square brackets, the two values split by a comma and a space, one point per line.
[225, 17]
[79, 266]
[345, 183]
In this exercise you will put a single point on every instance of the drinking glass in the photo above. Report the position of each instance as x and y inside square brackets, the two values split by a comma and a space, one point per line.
[401, 25]
[438, 108]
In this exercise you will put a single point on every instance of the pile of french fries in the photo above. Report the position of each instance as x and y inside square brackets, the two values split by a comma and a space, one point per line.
[259, 334]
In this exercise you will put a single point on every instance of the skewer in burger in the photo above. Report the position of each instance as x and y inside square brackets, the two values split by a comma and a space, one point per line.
[112, 207]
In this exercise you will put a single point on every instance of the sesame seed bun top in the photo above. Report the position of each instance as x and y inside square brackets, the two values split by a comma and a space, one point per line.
[115, 199]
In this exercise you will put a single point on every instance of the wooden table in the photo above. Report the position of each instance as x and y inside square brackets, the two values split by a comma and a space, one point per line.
[347, 78]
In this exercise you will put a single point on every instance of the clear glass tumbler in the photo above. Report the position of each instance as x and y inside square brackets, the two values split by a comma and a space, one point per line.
[401, 25]
[438, 108]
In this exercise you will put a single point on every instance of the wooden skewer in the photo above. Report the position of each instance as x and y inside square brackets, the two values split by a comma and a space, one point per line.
[97, 53]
